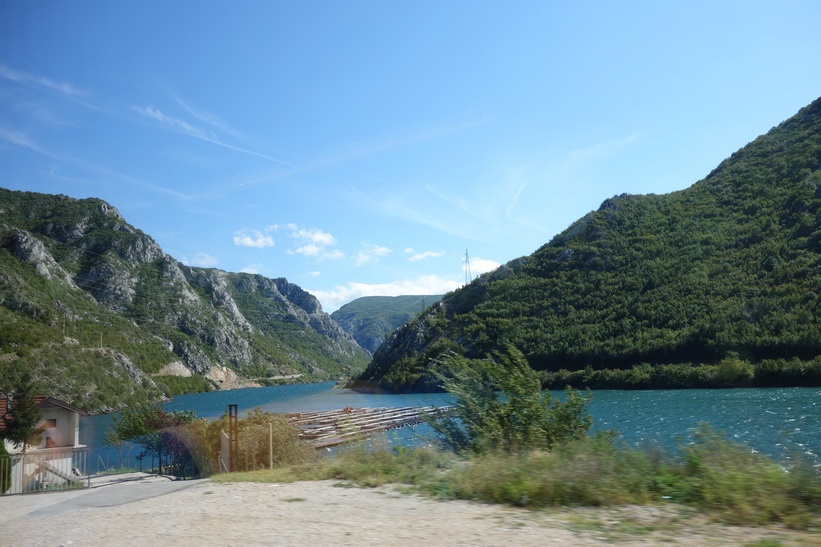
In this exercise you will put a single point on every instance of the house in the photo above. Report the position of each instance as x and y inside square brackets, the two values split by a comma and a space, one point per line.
[56, 461]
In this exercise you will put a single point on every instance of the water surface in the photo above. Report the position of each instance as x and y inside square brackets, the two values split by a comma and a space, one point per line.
[775, 421]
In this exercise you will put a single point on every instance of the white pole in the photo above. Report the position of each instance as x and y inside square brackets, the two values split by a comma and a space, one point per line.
[270, 445]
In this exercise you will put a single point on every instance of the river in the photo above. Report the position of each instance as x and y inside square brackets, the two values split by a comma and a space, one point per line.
[776, 421]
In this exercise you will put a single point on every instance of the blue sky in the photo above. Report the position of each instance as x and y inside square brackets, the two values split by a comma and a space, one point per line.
[360, 148]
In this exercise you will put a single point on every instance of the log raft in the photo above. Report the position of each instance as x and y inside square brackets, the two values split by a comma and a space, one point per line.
[334, 427]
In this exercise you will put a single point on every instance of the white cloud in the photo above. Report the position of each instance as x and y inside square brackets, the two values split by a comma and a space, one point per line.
[315, 236]
[253, 238]
[426, 254]
[479, 266]
[427, 284]
[203, 260]
[371, 252]
[315, 243]
[307, 250]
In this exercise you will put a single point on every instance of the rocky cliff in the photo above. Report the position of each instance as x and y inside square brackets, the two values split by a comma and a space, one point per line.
[75, 269]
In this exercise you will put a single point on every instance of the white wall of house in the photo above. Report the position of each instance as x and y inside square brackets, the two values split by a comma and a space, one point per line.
[61, 428]
[60, 425]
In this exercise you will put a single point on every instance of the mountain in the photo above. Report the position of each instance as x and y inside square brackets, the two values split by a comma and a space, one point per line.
[727, 270]
[104, 318]
[371, 318]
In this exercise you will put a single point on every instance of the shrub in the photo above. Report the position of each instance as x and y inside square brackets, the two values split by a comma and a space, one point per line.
[588, 471]
[741, 486]
[499, 405]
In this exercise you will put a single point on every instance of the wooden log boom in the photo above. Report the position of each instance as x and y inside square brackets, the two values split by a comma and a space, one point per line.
[334, 427]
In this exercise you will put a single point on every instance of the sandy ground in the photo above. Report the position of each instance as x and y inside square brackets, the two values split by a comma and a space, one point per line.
[155, 511]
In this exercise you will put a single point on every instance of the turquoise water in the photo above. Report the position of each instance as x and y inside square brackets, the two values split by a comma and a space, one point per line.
[776, 421]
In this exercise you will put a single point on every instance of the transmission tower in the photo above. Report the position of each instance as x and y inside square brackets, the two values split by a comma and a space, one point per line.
[468, 276]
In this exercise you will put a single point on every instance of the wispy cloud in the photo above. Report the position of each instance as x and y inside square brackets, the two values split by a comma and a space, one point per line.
[371, 145]
[508, 201]
[415, 257]
[18, 138]
[73, 163]
[186, 128]
[19, 76]
[434, 211]
[428, 284]
[399, 137]
[176, 123]
[599, 150]
[208, 118]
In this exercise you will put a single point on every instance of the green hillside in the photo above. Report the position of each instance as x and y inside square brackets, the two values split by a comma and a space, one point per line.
[371, 318]
[726, 269]
[103, 318]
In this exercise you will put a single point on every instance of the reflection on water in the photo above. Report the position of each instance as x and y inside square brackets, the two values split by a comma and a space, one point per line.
[775, 421]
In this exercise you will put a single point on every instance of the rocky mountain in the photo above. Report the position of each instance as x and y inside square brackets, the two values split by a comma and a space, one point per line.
[104, 317]
[724, 272]
[371, 318]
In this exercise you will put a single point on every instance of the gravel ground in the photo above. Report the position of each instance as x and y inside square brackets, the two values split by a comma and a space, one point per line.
[155, 511]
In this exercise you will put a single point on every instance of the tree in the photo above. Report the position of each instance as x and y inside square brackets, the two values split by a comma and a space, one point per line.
[499, 405]
[158, 432]
[23, 414]
[5, 469]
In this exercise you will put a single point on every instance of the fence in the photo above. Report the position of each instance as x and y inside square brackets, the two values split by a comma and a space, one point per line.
[43, 471]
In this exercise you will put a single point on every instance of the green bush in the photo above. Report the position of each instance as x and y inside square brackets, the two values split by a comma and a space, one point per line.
[741, 486]
[588, 471]
[499, 405]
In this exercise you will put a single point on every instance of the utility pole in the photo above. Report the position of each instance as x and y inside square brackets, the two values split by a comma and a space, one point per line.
[468, 276]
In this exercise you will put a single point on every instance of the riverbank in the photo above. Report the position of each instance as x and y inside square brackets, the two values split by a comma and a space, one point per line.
[331, 513]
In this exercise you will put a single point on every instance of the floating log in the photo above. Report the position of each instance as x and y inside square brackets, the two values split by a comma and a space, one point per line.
[329, 428]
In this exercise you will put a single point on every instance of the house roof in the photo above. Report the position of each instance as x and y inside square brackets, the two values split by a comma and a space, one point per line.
[42, 401]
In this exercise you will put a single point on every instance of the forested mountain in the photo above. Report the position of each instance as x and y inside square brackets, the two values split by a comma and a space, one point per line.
[369, 319]
[102, 317]
[726, 271]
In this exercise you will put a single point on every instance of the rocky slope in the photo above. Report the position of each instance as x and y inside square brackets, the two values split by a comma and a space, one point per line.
[75, 270]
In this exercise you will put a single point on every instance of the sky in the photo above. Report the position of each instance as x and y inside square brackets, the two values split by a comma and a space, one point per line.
[363, 148]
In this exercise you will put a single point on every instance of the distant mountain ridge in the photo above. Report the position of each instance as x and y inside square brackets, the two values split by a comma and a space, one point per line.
[729, 266]
[371, 318]
[75, 276]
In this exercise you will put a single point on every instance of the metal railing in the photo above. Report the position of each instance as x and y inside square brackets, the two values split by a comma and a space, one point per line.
[44, 471]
